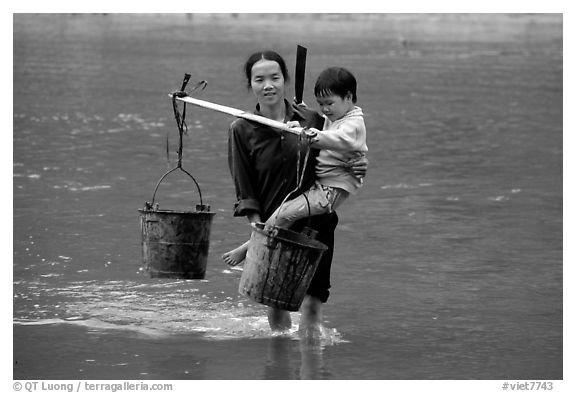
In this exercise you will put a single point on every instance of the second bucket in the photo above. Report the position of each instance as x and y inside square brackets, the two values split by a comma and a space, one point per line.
[279, 266]
[174, 243]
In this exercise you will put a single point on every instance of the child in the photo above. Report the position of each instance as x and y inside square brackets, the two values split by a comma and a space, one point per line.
[342, 141]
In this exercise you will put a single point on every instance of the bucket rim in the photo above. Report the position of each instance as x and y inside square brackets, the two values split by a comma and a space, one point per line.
[293, 237]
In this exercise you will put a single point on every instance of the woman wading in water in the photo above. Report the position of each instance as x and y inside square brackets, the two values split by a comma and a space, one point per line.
[263, 164]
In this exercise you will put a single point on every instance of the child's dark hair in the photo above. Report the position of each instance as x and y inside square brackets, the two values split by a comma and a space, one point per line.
[265, 55]
[335, 81]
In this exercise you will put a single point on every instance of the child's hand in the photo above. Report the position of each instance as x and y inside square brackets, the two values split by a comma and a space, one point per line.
[310, 133]
[311, 117]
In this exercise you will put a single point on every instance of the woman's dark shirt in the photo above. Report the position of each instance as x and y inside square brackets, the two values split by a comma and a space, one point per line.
[263, 162]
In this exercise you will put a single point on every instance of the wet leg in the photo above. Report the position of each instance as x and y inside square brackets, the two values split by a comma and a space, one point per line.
[310, 318]
[279, 319]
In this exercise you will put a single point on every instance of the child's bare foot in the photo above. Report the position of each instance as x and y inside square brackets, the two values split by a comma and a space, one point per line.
[237, 255]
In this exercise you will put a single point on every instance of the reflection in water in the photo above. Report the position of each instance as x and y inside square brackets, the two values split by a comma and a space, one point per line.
[278, 365]
[311, 346]
[281, 365]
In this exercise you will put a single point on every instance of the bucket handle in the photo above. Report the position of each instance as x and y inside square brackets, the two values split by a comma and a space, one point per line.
[170, 171]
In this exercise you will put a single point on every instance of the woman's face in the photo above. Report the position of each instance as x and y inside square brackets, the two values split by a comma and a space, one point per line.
[267, 82]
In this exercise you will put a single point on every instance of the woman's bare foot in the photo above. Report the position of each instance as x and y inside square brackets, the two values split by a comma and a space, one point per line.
[310, 317]
[279, 320]
[237, 255]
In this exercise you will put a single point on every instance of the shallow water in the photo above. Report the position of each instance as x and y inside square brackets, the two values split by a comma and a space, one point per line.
[448, 263]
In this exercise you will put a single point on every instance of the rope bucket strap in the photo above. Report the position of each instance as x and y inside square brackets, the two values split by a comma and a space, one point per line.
[300, 172]
[182, 129]
[181, 117]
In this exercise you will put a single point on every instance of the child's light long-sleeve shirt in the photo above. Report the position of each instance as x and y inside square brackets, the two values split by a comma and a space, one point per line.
[341, 142]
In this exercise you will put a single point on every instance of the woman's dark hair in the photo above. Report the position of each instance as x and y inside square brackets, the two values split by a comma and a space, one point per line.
[265, 55]
[335, 81]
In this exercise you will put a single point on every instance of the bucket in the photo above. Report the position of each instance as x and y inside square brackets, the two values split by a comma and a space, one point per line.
[175, 243]
[279, 266]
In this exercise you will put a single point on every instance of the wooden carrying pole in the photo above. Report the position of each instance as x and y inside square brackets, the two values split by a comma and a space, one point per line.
[242, 114]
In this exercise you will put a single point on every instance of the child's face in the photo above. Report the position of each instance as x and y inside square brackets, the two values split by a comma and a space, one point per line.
[334, 106]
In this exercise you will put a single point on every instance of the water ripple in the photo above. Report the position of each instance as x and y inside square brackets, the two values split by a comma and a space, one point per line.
[160, 310]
